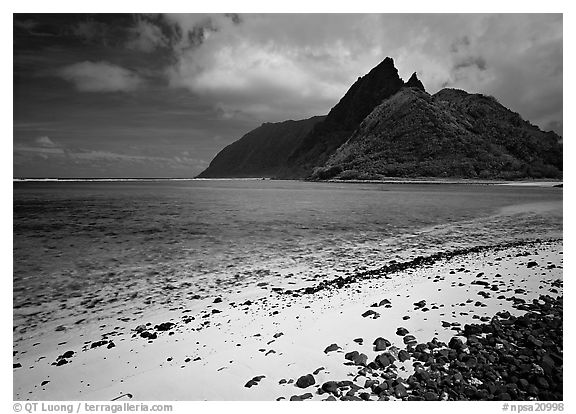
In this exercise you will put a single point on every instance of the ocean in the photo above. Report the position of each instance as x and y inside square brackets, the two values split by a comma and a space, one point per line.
[81, 247]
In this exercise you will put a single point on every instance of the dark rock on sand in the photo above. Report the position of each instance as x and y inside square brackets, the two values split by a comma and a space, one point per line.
[364, 396]
[301, 397]
[385, 359]
[456, 343]
[254, 381]
[400, 391]
[371, 313]
[430, 396]
[409, 339]
[305, 381]
[317, 370]
[331, 348]
[140, 328]
[360, 359]
[380, 344]
[509, 358]
[402, 331]
[403, 355]
[97, 344]
[351, 355]
[356, 357]
[165, 326]
[149, 335]
[331, 387]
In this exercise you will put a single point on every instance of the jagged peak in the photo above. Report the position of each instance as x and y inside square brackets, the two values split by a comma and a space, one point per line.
[387, 65]
[388, 61]
[414, 82]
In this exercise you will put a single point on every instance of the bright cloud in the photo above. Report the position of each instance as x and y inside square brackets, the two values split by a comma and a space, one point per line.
[100, 77]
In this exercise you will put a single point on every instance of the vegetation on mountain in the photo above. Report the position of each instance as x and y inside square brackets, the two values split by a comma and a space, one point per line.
[385, 127]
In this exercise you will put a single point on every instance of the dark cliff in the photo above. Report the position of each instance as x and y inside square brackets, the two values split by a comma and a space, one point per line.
[261, 152]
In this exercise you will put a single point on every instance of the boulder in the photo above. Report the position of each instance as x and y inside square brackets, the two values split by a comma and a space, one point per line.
[305, 381]
[402, 331]
[380, 344]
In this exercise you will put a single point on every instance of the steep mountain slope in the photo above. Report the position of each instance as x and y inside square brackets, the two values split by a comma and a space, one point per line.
[262, 151]
[540, 151]
[365, 94]
[414, 82]
[450, 134]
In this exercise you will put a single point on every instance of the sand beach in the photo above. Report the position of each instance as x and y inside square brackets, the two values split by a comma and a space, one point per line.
[363, 336]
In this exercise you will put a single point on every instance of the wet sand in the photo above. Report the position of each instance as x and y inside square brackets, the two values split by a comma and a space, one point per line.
[257, 341]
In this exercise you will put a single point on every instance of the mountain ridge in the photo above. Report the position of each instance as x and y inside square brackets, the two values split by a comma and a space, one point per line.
[415, 134]
[385, 127]
[255, 154]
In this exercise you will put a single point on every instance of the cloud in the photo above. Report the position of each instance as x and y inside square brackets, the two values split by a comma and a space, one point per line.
[285, 66]
[45, 142]
[43, 157]
[146, 37]
[475, 62]
[554, 125]
[100, 77]
[267, 66]
[91, 31]
[27, 24]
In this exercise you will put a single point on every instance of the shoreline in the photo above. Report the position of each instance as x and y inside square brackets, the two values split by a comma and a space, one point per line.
[211, 349]
[423, 180]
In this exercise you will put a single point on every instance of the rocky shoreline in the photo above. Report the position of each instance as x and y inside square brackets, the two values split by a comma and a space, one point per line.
[509, 358]
[395, 267]
[483, 323]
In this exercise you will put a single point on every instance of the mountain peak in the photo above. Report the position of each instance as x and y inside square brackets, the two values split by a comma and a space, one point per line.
[414, 82]
[363, 96]
[386, 67]
[388, 61]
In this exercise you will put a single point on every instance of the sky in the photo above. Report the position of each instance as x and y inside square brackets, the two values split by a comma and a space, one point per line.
[159, 95]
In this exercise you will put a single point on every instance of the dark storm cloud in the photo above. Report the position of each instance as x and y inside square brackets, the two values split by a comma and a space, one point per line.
[138, 85]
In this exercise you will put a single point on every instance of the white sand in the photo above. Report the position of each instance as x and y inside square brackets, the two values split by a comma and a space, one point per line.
[308, 325]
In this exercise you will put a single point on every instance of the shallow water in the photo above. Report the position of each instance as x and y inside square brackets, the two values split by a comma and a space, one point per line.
[81, 246]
